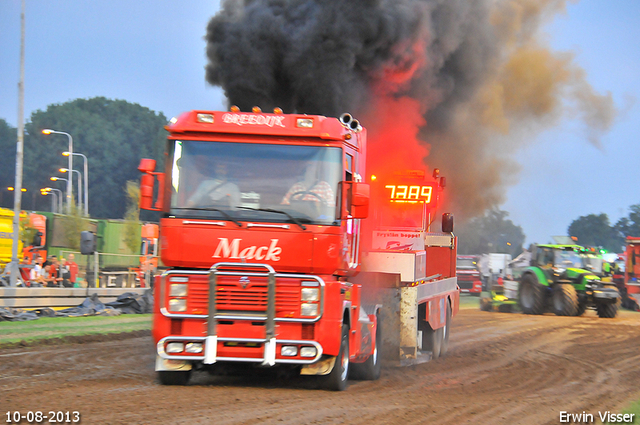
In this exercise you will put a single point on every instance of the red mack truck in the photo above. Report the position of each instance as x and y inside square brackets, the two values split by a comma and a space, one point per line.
[264, 218]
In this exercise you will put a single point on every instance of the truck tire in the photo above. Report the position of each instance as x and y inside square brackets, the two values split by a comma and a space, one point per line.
[336, 380]
[582, 307]
[370, 369]
[431, 339]
[178, 377]
[531, 297]
[565, 300]
[445, 333]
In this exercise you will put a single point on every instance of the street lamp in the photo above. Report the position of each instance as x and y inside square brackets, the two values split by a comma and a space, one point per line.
[64, 170]
[86, 180]
[49, 189]
[54, 199]
[69, 182]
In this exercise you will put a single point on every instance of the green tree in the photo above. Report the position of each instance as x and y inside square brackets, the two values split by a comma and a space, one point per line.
[595, 230]
[8, 140]
[492, 232]
[629, 226]
[113, 134]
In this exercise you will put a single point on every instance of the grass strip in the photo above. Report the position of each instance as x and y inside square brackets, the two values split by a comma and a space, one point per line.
[60, 327]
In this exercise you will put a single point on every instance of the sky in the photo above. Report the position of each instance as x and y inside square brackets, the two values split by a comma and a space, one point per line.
[152, 52]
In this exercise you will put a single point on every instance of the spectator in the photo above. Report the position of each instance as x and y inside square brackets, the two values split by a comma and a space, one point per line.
[73, 269]
[54, 272]
[37, 277]
[64, 273]
[49, 279]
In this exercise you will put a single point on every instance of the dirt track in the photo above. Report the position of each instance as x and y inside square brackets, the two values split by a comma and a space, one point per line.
[501, 369]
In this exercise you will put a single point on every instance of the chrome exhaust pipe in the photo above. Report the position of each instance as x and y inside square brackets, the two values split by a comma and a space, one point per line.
[355, 126]
[345, 119]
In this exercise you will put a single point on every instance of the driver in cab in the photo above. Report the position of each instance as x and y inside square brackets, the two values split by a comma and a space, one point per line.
[311, 188]
[216, 190]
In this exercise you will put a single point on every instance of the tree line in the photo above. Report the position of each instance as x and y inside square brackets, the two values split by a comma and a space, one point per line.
[113, 134]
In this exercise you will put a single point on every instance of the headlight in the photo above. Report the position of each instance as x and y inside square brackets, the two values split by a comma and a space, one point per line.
[175, 347]
[310, 294]
[308, 352]
[289, 350]
[177, 304]
[193, 347]
[308, 309]
[178, 290]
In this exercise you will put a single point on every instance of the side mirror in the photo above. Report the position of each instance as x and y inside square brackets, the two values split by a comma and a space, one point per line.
[355, 200]
[37, 239]
[360, 200]
[447, 223]
[147, 166]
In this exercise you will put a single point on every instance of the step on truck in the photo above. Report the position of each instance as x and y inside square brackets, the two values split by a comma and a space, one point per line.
[263, 217]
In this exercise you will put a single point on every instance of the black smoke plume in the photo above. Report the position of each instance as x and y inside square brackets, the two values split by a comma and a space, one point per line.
[481, 79]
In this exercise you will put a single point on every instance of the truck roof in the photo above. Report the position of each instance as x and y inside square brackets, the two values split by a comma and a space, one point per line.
[260, 123]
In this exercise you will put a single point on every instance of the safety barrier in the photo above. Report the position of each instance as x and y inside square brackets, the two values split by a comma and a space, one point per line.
[58, 297]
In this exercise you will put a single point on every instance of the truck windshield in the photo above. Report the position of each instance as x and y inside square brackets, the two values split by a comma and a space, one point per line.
[241, 180]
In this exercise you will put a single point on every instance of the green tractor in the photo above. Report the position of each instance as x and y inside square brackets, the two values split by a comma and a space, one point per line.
[566, 279]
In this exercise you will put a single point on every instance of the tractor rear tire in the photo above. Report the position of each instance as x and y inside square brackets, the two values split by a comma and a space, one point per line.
[582, 307]
[565, 300]
[531, 296]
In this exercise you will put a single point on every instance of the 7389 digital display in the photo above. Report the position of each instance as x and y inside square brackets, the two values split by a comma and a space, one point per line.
[409, 194]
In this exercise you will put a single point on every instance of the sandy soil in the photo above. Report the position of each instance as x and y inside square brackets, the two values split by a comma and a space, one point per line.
[501, 369]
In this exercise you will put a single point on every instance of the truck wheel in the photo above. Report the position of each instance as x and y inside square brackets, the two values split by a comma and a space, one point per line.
[431, 339]
[445, 333]
[531, 295]
[370, 369]
[336, 380]
[565, 300]
[179, 377]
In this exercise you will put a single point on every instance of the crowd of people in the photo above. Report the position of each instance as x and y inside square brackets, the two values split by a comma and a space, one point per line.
[54, 272]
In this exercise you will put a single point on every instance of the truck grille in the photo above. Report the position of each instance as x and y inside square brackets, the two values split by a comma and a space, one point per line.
[233, 298]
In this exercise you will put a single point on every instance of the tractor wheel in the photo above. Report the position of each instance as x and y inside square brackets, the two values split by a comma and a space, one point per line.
[446, 330]
[336, 380]
[531, 295]
[582, 307]
[607, 311]
[486, 304]
[565, 300]
[370, 369]
[179, 377]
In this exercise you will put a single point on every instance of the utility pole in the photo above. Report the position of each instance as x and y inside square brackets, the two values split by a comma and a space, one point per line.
[17, 193]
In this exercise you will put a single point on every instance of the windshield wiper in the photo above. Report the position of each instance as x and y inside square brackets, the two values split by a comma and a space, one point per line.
[292, 218]
[225, 214]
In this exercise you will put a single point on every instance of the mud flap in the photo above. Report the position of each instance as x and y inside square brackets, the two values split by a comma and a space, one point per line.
[163, 365]
[321, 367]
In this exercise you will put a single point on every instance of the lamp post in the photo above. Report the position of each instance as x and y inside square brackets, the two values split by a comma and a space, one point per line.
[59, 197]
[86, 180]
[64, 170]
[54, 199]
[69, 182]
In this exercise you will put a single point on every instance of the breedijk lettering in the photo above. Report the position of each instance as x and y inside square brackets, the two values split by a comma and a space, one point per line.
[226, 249]
[251, 119]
